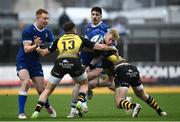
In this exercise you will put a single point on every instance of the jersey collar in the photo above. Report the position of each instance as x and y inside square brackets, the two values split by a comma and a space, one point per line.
[38, 28]
[96, 25]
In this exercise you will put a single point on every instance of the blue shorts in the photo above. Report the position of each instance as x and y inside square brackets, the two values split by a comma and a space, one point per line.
[34, 69]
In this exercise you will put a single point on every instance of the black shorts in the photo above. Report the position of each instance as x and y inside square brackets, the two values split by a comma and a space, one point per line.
[71, 66]
[126, 75]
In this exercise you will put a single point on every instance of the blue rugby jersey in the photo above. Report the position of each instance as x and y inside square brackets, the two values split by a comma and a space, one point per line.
[29, 34]
[90, 27]
[94, 34]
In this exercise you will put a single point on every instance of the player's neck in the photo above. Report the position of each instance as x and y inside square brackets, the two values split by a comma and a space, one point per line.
[38, 27]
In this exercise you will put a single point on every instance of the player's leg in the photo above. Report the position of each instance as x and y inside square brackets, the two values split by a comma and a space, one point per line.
[23, 92]
[40, 86]
[51, 84]
[139, 91]
[126, 75]
[93, 80]
[123, 103]
[82, 80]
[75, 93]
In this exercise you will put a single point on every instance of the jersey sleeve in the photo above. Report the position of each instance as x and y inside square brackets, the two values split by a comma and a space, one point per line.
[86, 30]
[51, 37]
[53, 46]
[105, 27]
[87, 43]
[27, 35]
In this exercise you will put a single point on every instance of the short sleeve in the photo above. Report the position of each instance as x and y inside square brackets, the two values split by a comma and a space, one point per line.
[26, 35]
[87, 43]
[53, 46]
[51, 37]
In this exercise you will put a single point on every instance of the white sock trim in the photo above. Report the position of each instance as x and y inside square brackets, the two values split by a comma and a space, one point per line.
[22, 92]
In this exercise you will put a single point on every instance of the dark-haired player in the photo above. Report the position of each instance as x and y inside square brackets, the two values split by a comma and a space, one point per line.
[96, 25]
[68, 62]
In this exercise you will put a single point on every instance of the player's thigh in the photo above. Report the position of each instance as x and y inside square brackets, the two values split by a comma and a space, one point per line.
[139, 91]
[94, 73]
[39, 83]
[96, 70]
[24, 75]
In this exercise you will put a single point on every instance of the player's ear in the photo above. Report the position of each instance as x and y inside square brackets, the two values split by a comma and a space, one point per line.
[101, 16]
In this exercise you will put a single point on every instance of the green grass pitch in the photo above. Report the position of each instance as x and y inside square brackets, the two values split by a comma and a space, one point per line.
[101, 108]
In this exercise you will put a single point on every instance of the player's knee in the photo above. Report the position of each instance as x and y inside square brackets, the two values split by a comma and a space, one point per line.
[25, 84]
[93, 84]
[83, 82]
[40, 90]
[144, 97]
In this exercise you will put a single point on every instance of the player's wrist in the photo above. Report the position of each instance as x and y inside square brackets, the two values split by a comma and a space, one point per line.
[36, 46]
[91, 66]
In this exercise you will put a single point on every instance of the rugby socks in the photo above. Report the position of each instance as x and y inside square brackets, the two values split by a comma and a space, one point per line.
[39, 106]
[82, 97]
[47, 104]
[22, 97]
[124, 104]
[73, 103]
[151, 102]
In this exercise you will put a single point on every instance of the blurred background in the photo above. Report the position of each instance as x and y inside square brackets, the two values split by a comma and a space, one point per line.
[149, 30]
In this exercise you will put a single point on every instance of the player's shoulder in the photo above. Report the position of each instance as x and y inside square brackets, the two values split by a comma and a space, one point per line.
[28, 28]
[96, 32]
[82, 37]
[89, 25]
[47, 29]
[104, 25]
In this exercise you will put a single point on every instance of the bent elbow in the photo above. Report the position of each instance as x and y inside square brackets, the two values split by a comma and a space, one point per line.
[43, 54]
[26, 50]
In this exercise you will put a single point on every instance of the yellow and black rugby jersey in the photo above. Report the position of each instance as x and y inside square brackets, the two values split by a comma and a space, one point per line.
[70, 44]
[115, 59]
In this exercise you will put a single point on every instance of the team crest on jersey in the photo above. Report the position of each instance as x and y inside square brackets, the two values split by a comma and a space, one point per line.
[35, 37]
[46, 35]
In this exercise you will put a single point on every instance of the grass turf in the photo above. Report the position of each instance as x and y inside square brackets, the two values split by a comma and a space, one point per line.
[101, 108]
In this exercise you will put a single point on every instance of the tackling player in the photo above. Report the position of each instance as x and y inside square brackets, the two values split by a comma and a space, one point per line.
[86, 57]
[68, 62]
[127, 75]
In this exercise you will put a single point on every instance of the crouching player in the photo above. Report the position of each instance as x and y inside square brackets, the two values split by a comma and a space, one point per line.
[127, 75]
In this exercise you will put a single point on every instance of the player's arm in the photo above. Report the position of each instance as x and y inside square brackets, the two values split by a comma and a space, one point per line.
[43, 52]
[97, 46]
[104, 47]
[29, 47]
[47, 51]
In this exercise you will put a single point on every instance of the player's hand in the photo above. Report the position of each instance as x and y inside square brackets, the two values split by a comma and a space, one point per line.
[114, 49]
[37, 41]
